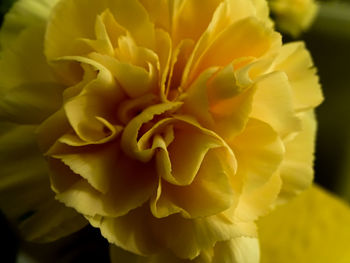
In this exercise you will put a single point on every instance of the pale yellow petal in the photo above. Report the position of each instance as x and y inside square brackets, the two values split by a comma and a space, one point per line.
[245, 38]
[297, 63]
[259, 152]
[273, 104]
[314, 227]
[297, 166]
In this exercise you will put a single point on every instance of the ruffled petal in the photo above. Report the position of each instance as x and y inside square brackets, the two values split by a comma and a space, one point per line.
[273, 104]
[245, 38]
[297, 63]
[208, 194]
[297, 166]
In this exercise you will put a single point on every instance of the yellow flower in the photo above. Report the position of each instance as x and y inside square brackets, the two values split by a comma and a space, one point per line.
[294, 16]
[171, 126]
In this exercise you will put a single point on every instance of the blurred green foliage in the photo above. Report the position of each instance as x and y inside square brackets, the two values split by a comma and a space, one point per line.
[4, 7]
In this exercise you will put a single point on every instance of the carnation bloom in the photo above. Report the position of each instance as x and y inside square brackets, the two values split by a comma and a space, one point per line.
[171, 126]
[294, 16]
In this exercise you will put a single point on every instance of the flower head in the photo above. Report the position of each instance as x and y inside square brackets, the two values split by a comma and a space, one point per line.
[169, 125]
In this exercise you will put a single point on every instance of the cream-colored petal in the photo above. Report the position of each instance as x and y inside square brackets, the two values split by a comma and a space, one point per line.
[314, 227]
[50, 222]
[297, 166]
[273, 104]
[237, 250]
[30, 103]
[297, 63]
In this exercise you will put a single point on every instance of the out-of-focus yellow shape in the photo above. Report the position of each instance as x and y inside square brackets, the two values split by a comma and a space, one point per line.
[293, 16]
[314, 227]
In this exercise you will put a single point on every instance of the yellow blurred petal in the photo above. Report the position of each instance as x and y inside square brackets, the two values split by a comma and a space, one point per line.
[297, 63]
[23, 15]
[52, 221]
[297, 167]
[22, 169]
[52, 128]
[30, 103]
[314, 227]
[23, 62]
[273, 104]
